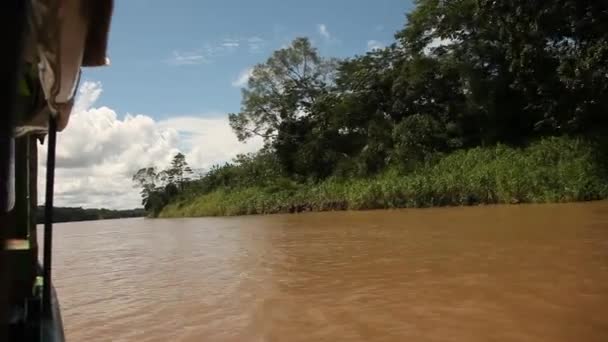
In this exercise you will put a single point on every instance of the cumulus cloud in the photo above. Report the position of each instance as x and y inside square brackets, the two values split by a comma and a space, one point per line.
[208, 141]
[88, 93]
[98, 152]
[374, 45]
[243, 78]
[323, 31]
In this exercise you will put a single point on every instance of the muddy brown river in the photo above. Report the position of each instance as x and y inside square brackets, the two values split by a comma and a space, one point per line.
[490, 273]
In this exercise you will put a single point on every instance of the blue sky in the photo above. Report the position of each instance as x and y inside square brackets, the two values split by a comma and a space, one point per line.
[181, 57]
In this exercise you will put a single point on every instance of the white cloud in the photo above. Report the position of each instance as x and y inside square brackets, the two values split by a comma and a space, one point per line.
[243, 78]
[374, 45]
[230, 43]
[210, 51]
[187, 58]
[324, 32]
[209, 141]
[98, 152]
[88, 93]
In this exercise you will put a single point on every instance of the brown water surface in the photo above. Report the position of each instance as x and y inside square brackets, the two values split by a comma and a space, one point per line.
[497, 273]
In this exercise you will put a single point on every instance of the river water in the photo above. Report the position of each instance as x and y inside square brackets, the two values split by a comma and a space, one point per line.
[489, 273]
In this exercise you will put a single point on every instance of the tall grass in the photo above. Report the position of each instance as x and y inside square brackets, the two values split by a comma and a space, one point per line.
[550, 170]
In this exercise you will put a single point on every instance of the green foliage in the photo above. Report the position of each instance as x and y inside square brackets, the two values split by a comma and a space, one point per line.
[246, 170]
[282, 90]
[461, 74]
[525, 67]
[416, 138]
[551, 170]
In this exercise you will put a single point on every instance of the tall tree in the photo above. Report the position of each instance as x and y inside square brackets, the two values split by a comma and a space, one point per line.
[283, 89]
[179, 172]
[146, 179]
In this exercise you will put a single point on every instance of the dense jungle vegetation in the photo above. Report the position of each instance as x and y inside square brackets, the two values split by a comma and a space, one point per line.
[476, 101]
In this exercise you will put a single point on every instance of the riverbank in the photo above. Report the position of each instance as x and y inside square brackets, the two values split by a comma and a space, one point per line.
[550, 170]
[79, 214]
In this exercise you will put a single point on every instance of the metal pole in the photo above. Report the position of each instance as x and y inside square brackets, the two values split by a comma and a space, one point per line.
[48, 218]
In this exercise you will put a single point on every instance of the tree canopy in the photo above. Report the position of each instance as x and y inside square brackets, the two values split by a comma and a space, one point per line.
[282, 90]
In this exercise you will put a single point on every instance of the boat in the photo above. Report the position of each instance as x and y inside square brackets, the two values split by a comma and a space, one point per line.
[47, 44]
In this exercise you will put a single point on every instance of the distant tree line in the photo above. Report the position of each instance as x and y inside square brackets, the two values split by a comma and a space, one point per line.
[69, 214]
[459, 75]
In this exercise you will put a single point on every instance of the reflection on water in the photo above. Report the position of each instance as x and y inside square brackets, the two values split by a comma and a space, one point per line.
[504, 273]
